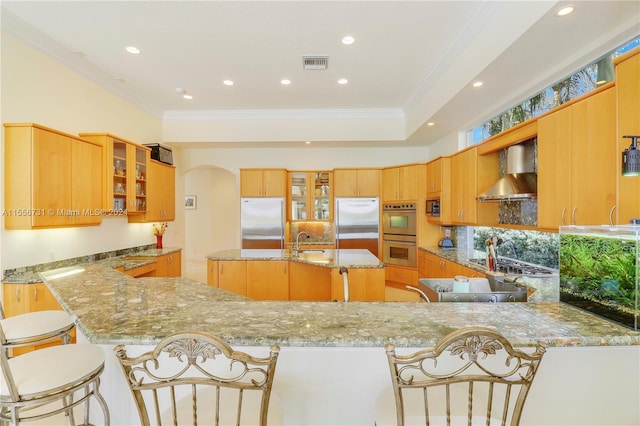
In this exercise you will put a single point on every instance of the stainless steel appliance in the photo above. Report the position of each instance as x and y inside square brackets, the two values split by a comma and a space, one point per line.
[399, 219]
[399, 234]
[357, 223]
[441, 290]
[262, 222]
[433, 207]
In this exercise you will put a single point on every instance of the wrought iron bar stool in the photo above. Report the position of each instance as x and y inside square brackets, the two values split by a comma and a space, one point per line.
[34, 328]
[45, 382]
[197, 378]
[473, 376]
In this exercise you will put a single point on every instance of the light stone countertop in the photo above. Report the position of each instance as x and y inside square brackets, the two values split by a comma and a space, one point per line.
[111, 307]
[330, 258]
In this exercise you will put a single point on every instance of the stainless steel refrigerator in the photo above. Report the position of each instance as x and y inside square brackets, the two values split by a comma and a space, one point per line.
[262, 223]
[357, 222]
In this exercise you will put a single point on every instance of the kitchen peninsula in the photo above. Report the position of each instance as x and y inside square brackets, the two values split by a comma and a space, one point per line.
[323, 343]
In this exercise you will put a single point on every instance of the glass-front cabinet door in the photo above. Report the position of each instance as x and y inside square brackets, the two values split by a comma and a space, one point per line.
[322, 195]
[298, 183]
[310, 195]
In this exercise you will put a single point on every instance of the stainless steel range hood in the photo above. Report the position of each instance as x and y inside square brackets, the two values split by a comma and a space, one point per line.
[520, 182]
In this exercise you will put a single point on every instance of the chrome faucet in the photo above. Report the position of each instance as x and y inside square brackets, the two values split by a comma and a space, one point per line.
[296, 248]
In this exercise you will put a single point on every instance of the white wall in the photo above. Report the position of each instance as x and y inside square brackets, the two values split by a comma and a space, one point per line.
[37, 89]
[215, 224]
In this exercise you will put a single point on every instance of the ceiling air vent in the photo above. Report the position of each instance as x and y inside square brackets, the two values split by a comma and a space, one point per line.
[315, 62]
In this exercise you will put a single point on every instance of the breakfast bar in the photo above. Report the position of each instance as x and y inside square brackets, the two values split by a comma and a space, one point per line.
[332, 368]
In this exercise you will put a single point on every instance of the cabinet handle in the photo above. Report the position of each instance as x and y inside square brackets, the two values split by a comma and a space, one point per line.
[562, 216]
[18, 294]
[611, 215]
[221, 268]
[284, 269]
[573, 216]
[35, 293]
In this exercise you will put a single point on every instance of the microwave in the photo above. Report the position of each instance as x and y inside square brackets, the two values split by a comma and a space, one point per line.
[433, 207]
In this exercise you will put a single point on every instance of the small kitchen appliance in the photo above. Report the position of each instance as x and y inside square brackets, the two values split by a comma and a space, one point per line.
[161, 153]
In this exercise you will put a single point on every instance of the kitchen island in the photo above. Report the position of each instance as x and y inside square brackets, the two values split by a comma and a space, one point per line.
[309, 275]
[332, 368]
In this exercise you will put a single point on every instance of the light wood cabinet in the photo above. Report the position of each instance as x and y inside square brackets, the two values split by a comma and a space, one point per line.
[232, 276]
[212, 273]
[310, 195]
[397, 276]
[628, 110]
[263, 182]
[433, 266]
[434, 177]
[576, 165]
[268, 280]
[169, 265]
[126, 168]
[52, 179]
[365, 285]
[439, 188]
[22, 298]
[464, 187]
[356, 182]
[161, 196]
[309, 282]
[400, 183]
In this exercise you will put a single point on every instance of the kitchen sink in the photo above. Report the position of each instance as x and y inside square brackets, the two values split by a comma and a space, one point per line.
[481, 290]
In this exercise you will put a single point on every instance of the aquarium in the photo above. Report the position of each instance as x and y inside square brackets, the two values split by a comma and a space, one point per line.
[599, 271]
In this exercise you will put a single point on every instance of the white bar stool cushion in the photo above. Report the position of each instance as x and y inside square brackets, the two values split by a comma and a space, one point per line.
[33, 324]
[53, 367]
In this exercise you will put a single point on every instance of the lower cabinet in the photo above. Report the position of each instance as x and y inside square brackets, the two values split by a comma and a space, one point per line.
[285, 280]
[169, 265]
[268, 280]
[232, 276]
[309, 282]
[432, 266]
[21, 298]
[399, 277]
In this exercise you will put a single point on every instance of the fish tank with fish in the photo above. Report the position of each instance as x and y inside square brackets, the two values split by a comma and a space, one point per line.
[599, 271]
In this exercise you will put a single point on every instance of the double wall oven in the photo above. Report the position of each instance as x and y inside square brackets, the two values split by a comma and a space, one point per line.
[399, 232]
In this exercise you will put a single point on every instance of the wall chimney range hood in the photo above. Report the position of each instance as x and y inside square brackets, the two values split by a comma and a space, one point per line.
[520, 182]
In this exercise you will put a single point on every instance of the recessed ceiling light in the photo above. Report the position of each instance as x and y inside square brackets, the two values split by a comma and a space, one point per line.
[285, 82]
[478, 84]
[431, 123]
[133, 50]
[343, 81]
[185, 96]
[228, 83]
[565, 11]
[308, 142]
[348, 40]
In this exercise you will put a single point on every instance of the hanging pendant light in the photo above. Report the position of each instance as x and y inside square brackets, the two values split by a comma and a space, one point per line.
[631, 158]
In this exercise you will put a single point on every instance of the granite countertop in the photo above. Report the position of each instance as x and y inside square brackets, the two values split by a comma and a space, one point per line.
[330, 258]
[111, 307]
[32, 274]
[542, 288]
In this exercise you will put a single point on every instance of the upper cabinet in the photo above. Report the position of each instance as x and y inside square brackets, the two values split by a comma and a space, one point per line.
[464, 187]
[52, 179]
[356, 182]
[310, 195]
[628, 108]
[161, 194]
[576, 163]
[439, 190]
[263, 182]
[125, 173]
[401, 183]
